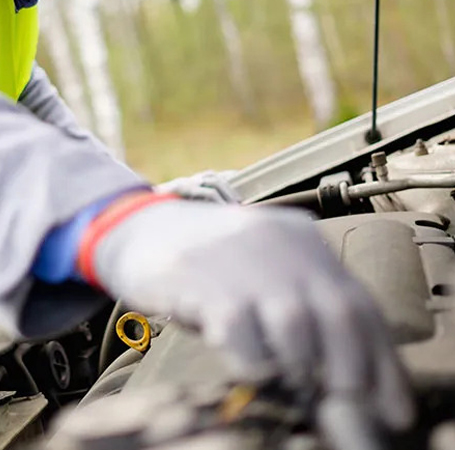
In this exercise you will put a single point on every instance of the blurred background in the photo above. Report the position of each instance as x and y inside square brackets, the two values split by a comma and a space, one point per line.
[187, 85]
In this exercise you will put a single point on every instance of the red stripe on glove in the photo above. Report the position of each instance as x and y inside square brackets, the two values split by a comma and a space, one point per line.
[107, 221]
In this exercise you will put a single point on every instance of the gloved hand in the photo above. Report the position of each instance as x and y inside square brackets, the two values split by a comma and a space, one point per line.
[205, 186]
[261, 285]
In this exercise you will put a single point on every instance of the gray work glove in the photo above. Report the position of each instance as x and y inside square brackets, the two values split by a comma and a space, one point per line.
[205, 186]
[261, 285]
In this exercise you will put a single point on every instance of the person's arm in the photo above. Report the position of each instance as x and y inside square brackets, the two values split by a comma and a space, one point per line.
[47, 176]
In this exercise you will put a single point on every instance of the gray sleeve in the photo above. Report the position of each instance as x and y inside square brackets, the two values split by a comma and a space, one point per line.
[42, 99]
[47, 174]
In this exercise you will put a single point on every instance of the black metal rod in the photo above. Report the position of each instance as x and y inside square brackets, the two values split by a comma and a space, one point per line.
[374, 135]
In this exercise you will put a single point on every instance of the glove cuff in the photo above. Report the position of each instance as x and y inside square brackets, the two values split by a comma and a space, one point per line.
[114, 215]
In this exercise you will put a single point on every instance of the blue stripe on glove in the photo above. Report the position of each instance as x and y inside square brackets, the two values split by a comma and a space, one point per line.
[56, 259]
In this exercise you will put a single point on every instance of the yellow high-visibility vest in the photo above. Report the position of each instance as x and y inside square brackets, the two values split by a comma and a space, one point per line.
[18, 44]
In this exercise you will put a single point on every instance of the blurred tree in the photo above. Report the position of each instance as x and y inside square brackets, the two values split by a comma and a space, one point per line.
[85, 21]
[313, 65]
[125, 35]
[79, 55]
[237, 68]
[59, 48]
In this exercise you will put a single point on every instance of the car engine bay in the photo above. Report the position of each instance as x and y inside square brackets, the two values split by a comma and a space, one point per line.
[387, 210]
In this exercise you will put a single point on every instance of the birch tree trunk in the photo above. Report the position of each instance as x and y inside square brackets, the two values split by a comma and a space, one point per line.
[237, 70]
[94, 60]
[123, 26]
[312, 60]
[69, 80]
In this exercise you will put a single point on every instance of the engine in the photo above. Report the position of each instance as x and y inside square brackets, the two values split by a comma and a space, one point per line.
[388, 212]
[392, 223]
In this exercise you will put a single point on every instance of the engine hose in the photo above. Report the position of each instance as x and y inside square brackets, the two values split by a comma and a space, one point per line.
[300, 198]
[111, 347]
[367, 190]
[19, 354]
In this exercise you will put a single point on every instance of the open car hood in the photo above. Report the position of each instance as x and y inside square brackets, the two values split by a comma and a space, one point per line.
[398, 122]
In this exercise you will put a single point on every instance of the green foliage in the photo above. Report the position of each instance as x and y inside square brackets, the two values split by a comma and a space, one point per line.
[412, 42]
[171, 72]
[187, 68]
[187, 60]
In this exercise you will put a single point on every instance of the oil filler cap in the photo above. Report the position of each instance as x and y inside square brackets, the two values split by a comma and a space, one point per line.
[134, 330]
